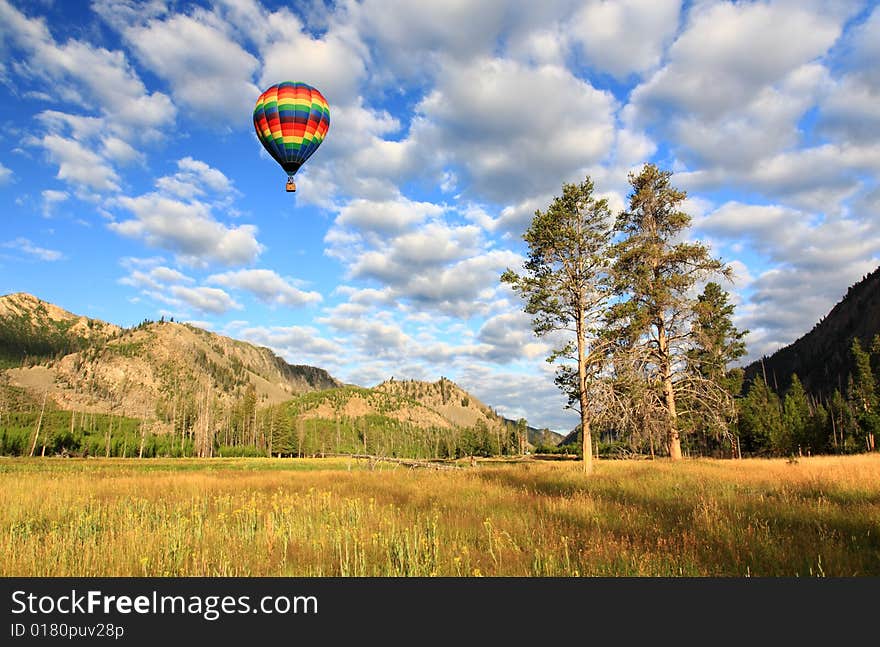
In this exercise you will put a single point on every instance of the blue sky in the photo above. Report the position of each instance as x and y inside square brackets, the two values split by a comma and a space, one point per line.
[134, 186]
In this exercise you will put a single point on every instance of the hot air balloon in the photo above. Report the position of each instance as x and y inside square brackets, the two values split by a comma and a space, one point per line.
[291, 120]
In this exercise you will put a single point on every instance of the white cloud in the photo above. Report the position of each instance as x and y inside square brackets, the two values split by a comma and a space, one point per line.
[482, 116]
[208, 71]
[27, 247]
[849, 109]
[188, 229]
[156, 279]
[79, 165]
[409, 34]
[330, 64]
[531, 395]
[195, 178]
[820, 178]
[121, 14]
[438, 265]
[386, 216]
[729, 52]
[624, 36]
[508, 337]
[744, 73]
[295, 343]
[51, 198]
[120, 151]
[80, 127]
[267, 286]
[865, 49]
[169, 275]
[213, 300]
[89, 76]
[811, 263]
[5, 174]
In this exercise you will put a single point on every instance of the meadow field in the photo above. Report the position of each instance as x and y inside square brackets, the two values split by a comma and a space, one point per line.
[818, 516]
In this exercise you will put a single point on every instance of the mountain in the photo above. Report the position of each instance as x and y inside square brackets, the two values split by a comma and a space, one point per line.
[94, 366]
[446, 398]
[32, 330]
[539, 437]
[409, 418]
[463, 409]
[822, 358]
[168, 373]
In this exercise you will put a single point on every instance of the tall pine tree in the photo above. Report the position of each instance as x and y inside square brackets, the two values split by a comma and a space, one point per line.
[654, 275]
[565, 289]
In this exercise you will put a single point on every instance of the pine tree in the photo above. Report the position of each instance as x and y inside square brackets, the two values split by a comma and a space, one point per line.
[716, 343]
[863, 394]
[653, 276]
[565, 289]
[760, 418]
[796, 418]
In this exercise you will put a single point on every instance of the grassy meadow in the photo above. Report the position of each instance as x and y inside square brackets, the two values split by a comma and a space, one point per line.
[819, 516]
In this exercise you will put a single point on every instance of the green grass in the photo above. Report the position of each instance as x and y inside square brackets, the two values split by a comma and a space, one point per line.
[337, 517]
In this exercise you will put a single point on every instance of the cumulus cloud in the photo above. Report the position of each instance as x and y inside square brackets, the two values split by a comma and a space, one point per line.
[87, 75]
[101, 81]
[735, 91]
[174, 288]
[508, 337]
[194, 178]
[818, 178]
[79, 165]
[624, 37]
[386, 216]
[527, 394]
[267, 286]
[332, 63]
[213, 300]
[438, 265]
[481, 117]
[297, 344]
[730, 52]
[810, 263]
[410, 33]
[5, 174]
[120, 151]
[208, 71]
[187, 229]
[848, 110]
[156, 278]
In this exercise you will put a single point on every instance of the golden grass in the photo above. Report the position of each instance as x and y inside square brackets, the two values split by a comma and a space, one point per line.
[284, 517]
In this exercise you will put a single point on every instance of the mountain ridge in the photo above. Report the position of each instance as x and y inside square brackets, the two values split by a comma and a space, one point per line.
[822, 358]
[160, 370]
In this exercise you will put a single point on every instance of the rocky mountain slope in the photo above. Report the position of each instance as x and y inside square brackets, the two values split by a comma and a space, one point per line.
[822, 358]
[446, 398]
[135, 371]
[166, 372]
[32, 329]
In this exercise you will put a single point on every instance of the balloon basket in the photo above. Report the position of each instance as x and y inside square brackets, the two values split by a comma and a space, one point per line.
[291, 187]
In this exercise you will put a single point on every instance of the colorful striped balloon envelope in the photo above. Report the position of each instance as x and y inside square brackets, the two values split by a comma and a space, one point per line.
[291, 120]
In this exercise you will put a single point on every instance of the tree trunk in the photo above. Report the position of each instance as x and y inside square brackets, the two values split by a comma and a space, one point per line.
[39, 423]
[673, 440]
[586, 434]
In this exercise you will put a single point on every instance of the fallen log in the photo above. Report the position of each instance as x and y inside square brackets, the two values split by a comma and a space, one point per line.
[408, 462]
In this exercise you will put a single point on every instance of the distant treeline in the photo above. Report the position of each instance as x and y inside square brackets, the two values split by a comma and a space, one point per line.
[773, 423]
[70, 433]
[200, 424]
